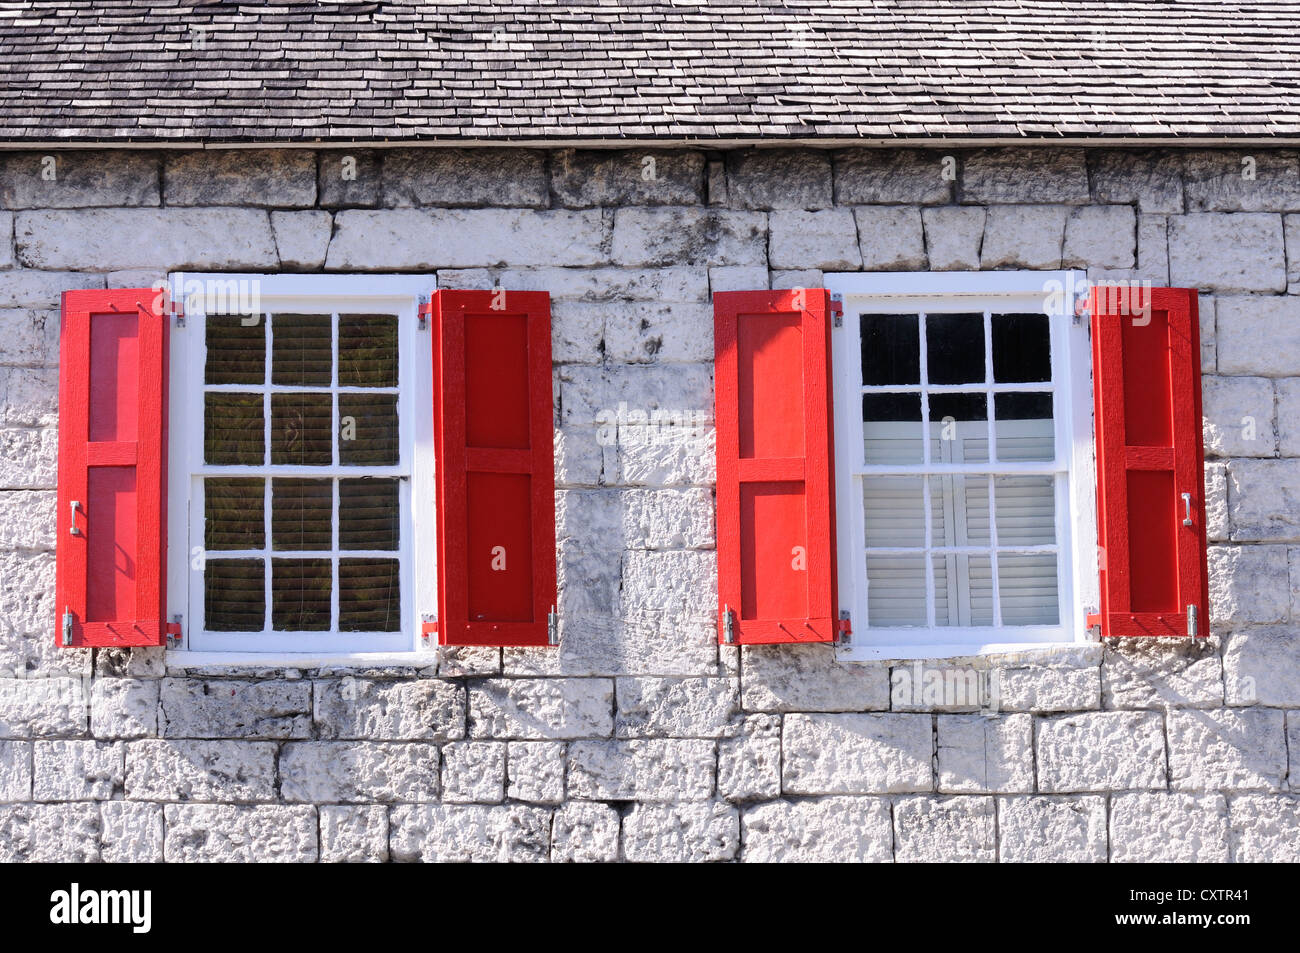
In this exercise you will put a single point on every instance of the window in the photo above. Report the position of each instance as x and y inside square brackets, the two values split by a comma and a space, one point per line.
[962, 462]
[301, 464]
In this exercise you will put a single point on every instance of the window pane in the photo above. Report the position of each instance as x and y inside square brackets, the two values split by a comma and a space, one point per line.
[233, 429]
[954, 348]
[301, 350]
[1026, 510]
[891, 348]
[301, 513]
[233, 517]
[368, 429]
[370, 595]
[1024, 427]
[1027, 589]
[959, 422]
[368, 514]
[300, 595]
[896, 590]
[236, 346]
[980, 586]
[300, 429]
[960, 509]
[1021, 348]
[891, 425]
[895, 511]
[368, 350]
[234, 595]
[963, 590]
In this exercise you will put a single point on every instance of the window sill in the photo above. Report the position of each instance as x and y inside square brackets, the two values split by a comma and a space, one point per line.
[1012, 652]
[198, 661]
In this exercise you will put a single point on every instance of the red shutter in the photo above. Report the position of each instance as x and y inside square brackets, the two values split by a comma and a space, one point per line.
[112, 510]
[775, 495]
[495, 467]
[1150, 464]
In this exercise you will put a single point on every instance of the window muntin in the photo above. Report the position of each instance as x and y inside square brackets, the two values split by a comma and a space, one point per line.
[956, 444]
[296, 462]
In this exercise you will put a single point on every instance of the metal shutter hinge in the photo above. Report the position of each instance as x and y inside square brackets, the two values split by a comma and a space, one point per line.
[728, 625]
[425, 311]
[837, 309]
[844, 628]
[552, 628]
[1191, 620]
[67, 626]
[175, 638]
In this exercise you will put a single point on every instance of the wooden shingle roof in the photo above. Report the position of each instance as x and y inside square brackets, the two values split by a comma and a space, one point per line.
[536, 71]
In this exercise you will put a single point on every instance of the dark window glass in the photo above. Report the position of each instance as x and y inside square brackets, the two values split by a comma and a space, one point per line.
[301, 350]
[300, 429]
[958, 407]
[1022, 406]
[368, 350]
[234, 595]
[1022, 348]
[236, 346]
[232, 510]
[370, 595]
[233, 427]
[368, 429]
[891, 348]
[301, 513]
[300, 595]
[368, 511]
[954, 348]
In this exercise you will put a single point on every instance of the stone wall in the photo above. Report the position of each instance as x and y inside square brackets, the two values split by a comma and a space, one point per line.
[639, 739]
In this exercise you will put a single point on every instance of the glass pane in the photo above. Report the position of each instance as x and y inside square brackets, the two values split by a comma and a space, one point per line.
[370, 595]
[963, 590]
[301, 350]
[960, 509]
[234, 595]
[891, 425]
[233, 426]
[300, 595]
[894, 509]
[368, 429]
[236, 346]
[959, 422]
[1024, 427]
[1026, 510]
[895, 590]
[368, 350]
[1021, 348]
[891, 348]
[368, 512]
[954, 348]
[301, 513]
[1027, 589]
[232, 511]
[300, 429]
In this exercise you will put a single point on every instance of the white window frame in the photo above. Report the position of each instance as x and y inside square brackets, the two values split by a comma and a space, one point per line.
[401, 295]
[1076, 517]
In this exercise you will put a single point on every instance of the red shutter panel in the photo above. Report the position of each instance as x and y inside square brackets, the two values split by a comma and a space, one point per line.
[775, 490]
[1150, 464]
[495, 467]
[112, 512]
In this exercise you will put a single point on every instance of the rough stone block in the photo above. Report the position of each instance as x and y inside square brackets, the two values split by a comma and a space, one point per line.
[460, 833]
[301, 238]
[1264, 500]
[1257, 334]
[648, 332]
[1025, 176]
[1023, 236]
[585, 834]
[1217, 527]
[29, 337]
[224, 833]
[1288, 415]
[49, 833]
[1061, 830]
[451, 178]
[474, 772]
[986, 755]
[30, 397]
[675, 707]
[1100, 236]
[672, 236]
[749, 763]
[542, 708]
[340, 772]
[278, 178]
[667, 519]
[536, 771]
[891, 177]
[741, 278]
[945, 830]
[1263, 180]
[779, 179]
[224, 771]
[348, 177]
[681, 833]
[220, 708]
[1238, 416]
[354, 835]
[1168, 828]
[1227, 252]
[1065, 681]
[671, 283]
[124, 707]
[78, 179]
[1264, 829]
[953, 235]
[890, 238]
[132, 832]
[1249, 584]
[807, 678]
[77, 770]
[581, 178]
[827, 240]
[1160, 673]
[820, 830]
[1101, 751]
[423, 710]
[857, 754]
[27, 458]
[1152, 179]
[42, 707]
[27, 520]
[15, 771]
[653, 769]
[42, 289]
[1243, 750]
[1259, 668]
